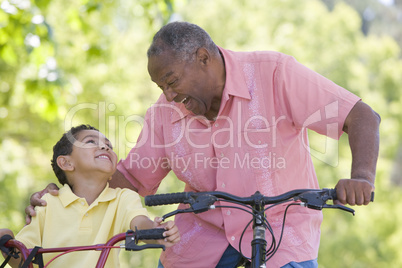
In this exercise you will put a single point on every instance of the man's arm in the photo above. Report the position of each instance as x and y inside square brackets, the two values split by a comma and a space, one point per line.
[118, 180]
[362, 126]
[36, 200]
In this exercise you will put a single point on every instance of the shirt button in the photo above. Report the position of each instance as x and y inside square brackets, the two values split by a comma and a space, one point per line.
[216, 125]
[86, 214]
[82, 203]
[222, 155]
[228, 212]
[233, 238]
[223, 185]
[259, 142]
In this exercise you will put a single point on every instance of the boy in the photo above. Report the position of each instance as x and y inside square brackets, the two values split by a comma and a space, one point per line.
[91, 212]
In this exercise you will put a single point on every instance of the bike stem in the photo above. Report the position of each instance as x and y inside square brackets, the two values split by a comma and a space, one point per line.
[259, 244]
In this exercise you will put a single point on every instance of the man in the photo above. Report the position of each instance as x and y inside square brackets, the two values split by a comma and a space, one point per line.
[237, 122]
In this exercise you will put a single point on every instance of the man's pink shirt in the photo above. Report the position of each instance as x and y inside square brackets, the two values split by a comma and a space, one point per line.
[258, 142]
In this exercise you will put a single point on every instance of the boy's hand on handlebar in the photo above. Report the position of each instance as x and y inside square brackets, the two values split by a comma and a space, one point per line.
[172, 235]
[355, 191]
[37, 201]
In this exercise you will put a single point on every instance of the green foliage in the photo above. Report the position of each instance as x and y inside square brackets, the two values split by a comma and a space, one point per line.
[89, 66]
[63, 63]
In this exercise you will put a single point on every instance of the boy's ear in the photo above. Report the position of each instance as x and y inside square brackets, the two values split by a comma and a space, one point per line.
[63, 161]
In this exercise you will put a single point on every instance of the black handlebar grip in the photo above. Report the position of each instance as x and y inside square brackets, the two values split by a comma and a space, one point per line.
[150, 234]
[3, 240]
[167, 199]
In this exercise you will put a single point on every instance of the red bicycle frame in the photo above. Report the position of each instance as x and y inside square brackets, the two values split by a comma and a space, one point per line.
[130, 237]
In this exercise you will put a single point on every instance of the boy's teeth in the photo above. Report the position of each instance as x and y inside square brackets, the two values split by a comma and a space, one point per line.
[183, 100]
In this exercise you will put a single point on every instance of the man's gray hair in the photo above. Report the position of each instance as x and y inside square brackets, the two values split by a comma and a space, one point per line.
[183, 38]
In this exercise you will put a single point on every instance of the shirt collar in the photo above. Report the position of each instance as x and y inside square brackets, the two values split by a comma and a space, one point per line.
[235, 83]
[179, 111]
[67, 196]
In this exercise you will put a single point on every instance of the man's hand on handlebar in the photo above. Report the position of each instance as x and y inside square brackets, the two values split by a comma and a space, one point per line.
[355, 191]
[37, 201]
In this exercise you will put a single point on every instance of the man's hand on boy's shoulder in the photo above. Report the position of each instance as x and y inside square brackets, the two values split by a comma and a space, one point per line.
[172, 235]
[36, 200]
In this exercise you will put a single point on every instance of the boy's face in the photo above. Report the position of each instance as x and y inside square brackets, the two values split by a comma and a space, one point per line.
[93, 154]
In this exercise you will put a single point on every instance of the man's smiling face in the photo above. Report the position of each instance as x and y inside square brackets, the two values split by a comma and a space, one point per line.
[181, 81]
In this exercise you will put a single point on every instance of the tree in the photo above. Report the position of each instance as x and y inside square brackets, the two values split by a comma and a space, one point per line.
[64, 63]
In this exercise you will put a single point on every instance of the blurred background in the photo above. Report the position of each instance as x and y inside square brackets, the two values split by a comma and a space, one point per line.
[64, 63]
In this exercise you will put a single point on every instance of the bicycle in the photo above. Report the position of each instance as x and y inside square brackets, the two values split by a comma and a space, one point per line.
[203, 201]
[34, 255]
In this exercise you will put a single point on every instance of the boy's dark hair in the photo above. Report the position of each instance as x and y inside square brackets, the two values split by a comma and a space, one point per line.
[65, 147]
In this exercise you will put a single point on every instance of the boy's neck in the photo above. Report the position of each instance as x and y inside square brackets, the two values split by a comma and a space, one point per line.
[88, 189]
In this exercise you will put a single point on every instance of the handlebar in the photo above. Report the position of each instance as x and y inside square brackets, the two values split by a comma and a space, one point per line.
[149, 234]
[167, 199]
[256, 204]
[190, 197]
[203, 201]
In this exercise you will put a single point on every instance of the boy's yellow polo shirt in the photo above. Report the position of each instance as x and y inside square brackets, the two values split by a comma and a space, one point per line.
[67, 220]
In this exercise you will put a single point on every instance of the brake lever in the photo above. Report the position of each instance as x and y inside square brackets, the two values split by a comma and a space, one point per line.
[318, 202]
[200, 204]
[134, 247]
[341, 207]
[177, 211]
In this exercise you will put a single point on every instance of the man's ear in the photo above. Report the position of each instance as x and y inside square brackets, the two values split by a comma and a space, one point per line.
[203, 56]
[63, 161]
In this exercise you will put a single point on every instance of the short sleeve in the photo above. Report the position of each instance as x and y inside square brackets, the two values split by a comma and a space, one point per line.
[31, 234]
[130, 206]
[310, 100]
